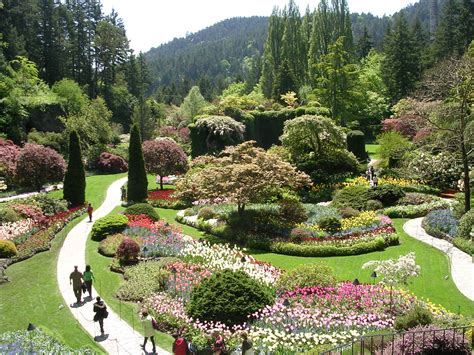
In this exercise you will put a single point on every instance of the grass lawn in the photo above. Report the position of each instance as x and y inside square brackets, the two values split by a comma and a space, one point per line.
[373, 150]
[152, 185]
[431, 284]
[108, 282]
[33, 295]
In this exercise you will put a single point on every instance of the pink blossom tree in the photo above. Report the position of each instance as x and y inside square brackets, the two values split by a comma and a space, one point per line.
[164, 157]
[37, 165]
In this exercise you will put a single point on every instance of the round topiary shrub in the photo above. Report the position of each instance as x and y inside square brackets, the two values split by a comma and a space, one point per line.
[308, 275]
[351, 196]
[348, 212]
[330, 224]
[142, 209]
[373, 205]
[109, 245]
[8, 215]
[206, 213]
[108, 225]
[297, 235]
[111, 163]
[387, 194]
[127, 251]
[7, 249]
[228, 297]
[466, 225]
[356, 144]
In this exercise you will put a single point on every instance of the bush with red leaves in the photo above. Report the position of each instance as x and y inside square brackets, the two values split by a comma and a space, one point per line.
[111, 163]
[128, 251]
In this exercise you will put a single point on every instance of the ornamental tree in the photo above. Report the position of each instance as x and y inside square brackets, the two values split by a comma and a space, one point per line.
[8, 156]
[37, 165]
[137, 179]
[75, 178]
[164, 157]
[241, 174]
[393, 271]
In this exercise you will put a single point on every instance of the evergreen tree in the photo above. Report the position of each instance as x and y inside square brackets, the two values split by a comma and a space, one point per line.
[448, 39]
[137, 179]
[75, 178]
[401, 64]
[285, 81]
[364, 45]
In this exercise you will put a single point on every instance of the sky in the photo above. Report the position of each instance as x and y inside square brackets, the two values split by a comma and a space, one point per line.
[150, 23]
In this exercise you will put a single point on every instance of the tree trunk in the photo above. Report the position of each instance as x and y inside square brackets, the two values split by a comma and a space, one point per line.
[161, 182]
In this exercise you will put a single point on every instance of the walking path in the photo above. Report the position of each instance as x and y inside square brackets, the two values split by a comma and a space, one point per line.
[29, 194]
[462, 267]
[120, 338]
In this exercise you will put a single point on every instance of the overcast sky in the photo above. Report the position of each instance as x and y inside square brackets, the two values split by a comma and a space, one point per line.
[150, 23]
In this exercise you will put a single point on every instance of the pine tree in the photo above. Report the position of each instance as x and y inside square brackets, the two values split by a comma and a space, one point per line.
[364, 45]
[448, 39]
[75, 178]
[137, 179]
[285, 81]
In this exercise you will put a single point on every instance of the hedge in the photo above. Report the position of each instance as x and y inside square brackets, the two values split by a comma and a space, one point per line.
[142, 209]
[414, 211]
[107, 225]
[466, 224]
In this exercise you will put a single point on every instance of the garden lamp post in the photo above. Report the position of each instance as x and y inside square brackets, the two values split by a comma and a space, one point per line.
[173, 271]
[374, 276]
[356, 282]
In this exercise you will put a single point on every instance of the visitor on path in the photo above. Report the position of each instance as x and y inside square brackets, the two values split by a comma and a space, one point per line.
[148, 330]
[75, 279]
[246, 345]
[101, 313]
[88, 276]
[218, 345]
[123, 190]
[180, 347]
[192, 349]
[375, 180]
[89, 211]
[367, 174]
[371, 172]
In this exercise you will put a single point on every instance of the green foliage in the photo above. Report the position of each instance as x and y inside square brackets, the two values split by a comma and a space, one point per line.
[317, 212]
[107, 225]
[291, 211]
[393, 147]
[387, 194]
[348, 212]
[142, 208]
[297, 235]
[127, 251]
[52, 140]
[373, 205]
[70, 96]
[228, 297]
[414, 211]
[206, 213]
[466, 245]
[110, 244]
[193, 103]
[74, 190]
[351, 196]
[142, 280]
[415, 198]
[330, 224]
[466, 225]
[417, 315]
[356, 144]
[7, 249]
[50, 205]
[137, 190]
[8, 215]
[307, 275]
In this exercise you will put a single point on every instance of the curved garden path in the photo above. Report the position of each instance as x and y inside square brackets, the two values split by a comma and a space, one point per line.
[120, 338]
[462, 266]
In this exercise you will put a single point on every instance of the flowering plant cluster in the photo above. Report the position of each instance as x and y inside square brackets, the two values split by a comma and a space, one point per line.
[184, 277]
[166, 195]
[395, 271]
[11, 230]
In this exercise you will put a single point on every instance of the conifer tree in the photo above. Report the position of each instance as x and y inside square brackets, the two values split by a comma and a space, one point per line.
[74, 190]
[137, 179]
[285, 81]
[364, 45]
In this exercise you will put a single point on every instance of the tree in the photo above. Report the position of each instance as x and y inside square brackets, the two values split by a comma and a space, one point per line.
[75, 178]
[37, 165]
[241, 174]
[285, 81]
[164, 157]
[8, 157]
[193, 103]
[137, 179]
[364, 45]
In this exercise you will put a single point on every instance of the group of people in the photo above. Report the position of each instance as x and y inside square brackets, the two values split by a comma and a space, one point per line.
[371, 176]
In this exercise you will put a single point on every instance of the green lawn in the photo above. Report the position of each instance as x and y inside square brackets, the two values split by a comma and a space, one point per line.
[108, 282]
[431, 284]
[152, 185]
[33, 295]
[373, 150]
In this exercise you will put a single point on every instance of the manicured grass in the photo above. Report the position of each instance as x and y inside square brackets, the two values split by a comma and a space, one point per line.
[108, 282]
[33, 295]
[373, 150]
[170, 215]
[152, 185]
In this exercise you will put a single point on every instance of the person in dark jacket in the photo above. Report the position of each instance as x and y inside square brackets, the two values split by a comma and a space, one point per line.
[101, 313]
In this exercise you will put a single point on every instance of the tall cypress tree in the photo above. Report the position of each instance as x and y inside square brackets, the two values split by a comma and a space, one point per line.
[137, 180]
[75, 178]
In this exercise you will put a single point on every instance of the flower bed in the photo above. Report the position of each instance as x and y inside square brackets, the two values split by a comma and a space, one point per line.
[164, 199]
[414, 211]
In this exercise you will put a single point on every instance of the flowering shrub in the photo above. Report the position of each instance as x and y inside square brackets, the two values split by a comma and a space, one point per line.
[30, 212]
[128, 251]
[161, 195]
[111, 163]
[366, 218]
[8, 157]
[414, 211]
[11, 230]
[184, 277]
[395, 271]
[440, 223]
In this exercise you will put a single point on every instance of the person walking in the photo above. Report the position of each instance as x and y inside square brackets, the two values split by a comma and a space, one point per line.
[88, 276]
[375, 180]
[247, 346]
[89, 211]
[180, 347]
[218, 345]
[148, 330]
[101, 313]
[123, 191]
[75, 279]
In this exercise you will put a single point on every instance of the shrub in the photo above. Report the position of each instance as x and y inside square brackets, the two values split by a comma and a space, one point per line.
[8, 157]
[429, 340]
[415, 198]
[330, 224]
[50, 206]
[108, 225]
[144, 209]
[466, 245]
[393, 147]
[109, 245]
[414, 211]
[206, 213]
[298, 235]
[466, 225]
[7, 249]
[127, 251]
[440, 223]
[37, 165]
[317, 212]
[137, 186]
[387, 194]
[110, 163]
[349, 212]
[373, 205]
[75, 178]
[356, 144]
[8, 215]
[228, 297]
[416, 316]
[351, 196]
[292, 211]
[308, 275]
[142, 280]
